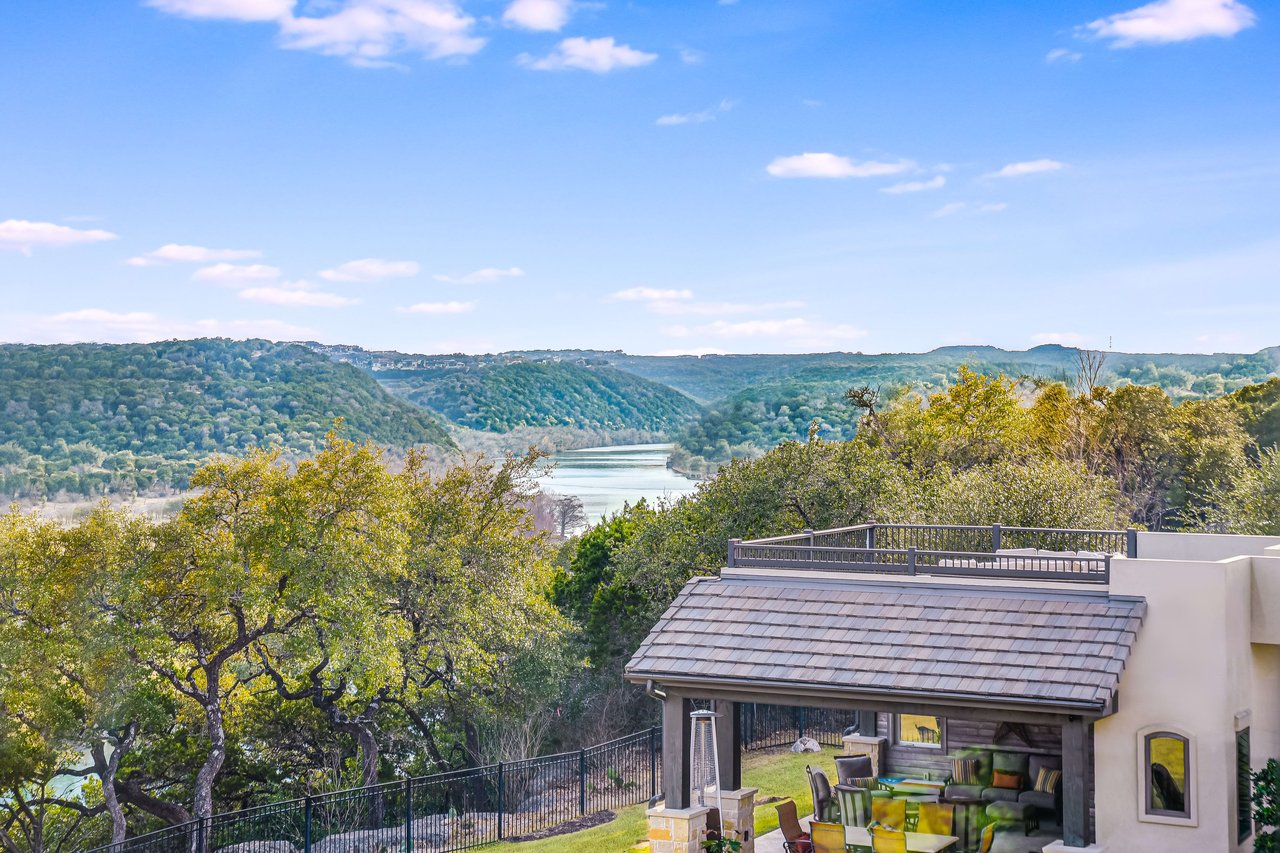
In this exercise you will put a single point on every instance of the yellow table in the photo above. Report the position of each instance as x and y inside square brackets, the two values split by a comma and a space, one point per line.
[917, 842]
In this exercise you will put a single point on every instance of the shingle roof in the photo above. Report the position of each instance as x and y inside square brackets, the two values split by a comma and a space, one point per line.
[1048, 648]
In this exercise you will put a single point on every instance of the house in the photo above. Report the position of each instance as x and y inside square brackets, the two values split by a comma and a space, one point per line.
[1146, 664]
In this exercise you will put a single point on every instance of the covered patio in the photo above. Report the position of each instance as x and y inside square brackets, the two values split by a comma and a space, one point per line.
[989, 662]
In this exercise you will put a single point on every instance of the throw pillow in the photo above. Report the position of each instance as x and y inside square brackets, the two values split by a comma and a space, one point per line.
[1047, 780]
[1000, 779]
[964, 771]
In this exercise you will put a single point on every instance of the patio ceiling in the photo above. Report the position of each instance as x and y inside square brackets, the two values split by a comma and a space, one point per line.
[1018, 653]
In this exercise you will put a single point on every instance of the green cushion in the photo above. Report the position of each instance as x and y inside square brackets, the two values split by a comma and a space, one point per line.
[1011, 762]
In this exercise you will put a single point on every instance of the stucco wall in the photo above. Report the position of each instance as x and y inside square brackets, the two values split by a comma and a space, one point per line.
[1191, 669]
[1200, 546]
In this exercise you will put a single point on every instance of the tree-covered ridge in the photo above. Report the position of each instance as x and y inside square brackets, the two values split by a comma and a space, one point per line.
[500, 396]
[91, 418]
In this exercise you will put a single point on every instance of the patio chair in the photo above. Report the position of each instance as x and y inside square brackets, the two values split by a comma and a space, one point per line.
[890, 812]
[853, 804]
[820, 788]
[856, 770]
[987, 838]
[826, 837]
[886, 839]
[936, 818]
[796, 839]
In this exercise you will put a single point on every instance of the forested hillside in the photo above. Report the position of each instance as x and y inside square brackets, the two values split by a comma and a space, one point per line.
[85, 419]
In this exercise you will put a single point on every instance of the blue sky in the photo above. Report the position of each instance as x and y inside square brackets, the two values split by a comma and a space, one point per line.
[696, 176]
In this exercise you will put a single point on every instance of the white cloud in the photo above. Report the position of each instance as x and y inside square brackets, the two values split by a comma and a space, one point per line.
[541, 15]
[718, 309]
[599, 56]
[992, 207]
[236, 274]
[793, 334]
[370, 269]
[1166, 21]
[296, 294]
[692, 351]
[823, 165]
[481, 276]
[438, 308]
[105, 326]
[1067, 339]
[811, 103]
[1027, 167]
[23, 235]
[952, 208]
[1061, 54]
[934, 183]
[650, 294]
[369, 32]
[709, 114]
[177, 253]
[949, 209]
[690, 56]
[229, 10]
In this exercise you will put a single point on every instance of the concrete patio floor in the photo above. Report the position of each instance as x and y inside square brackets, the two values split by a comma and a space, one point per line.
[1007, 840]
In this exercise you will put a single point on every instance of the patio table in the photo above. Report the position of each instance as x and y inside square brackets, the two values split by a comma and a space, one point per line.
[917, 842]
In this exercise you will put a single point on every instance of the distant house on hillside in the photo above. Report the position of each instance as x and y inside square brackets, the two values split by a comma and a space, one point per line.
[1097, 690]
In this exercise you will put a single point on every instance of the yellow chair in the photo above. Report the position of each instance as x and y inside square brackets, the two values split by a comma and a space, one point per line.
[890, 812]
[987, 838]
[885, 839]
[826, 837]
[936, 818]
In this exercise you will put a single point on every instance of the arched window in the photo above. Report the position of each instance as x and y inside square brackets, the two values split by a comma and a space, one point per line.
[1167, 767]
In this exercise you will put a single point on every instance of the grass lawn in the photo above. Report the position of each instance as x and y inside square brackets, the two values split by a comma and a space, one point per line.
[777, 773]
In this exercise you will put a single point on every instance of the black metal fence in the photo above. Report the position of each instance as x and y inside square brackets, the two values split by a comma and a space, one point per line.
[432, 814]
[766, 726]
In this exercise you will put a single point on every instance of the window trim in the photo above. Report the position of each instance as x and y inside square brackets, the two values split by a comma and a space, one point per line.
[895, 734]
[1190, 816]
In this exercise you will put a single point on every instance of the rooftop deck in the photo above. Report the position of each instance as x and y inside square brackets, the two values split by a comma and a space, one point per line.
[1017, 553]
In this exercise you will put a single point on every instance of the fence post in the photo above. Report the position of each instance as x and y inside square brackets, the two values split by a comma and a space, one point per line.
[911, 560]
[803, 714]
[809, 532]
[408, 815]
[733, 550]
[995, 538]
[306, 825]
[582, 781]
[1131, 543]
[501, 788]
[653, 762]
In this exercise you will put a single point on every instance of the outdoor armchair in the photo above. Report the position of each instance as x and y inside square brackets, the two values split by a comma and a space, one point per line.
[820, 788]
[826, 837]
[796, 839]
[890, 812]
[936, 818]
[886, 839]
[854, 804]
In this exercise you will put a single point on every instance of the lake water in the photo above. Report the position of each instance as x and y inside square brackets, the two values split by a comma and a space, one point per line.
[605, 478]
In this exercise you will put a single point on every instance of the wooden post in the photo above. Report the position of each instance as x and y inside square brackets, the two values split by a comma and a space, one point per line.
[676, 739]
[729, 744]
[1075, 782]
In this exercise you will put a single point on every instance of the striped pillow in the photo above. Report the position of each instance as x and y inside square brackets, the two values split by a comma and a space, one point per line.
[964, 771]
[1047, 780]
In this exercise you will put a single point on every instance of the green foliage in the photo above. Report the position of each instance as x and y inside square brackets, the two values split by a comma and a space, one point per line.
[1259, 407]
[92, 419]
[502, 396]
[1266, 808]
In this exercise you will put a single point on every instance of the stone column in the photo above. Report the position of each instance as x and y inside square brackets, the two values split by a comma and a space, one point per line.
[871, 746]
[738, 816]
[677, 830]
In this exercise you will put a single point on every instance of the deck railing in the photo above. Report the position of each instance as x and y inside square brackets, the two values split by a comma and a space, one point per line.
[995, 551]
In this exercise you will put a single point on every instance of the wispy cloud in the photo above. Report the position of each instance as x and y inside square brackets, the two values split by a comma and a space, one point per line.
[22, 235]
[952, 208]
[935, 183]
[298, 294]
[178, 253]
[236, 274]
[599, 56]
[691, 56]
[370, 269]
[1027, 167]
[1166, 21]
[438, 308]
[1061, 54]
[709, 114]
[106, 326]
[825, 165]
[366, 33]
[481, 276]
[651, 294]
[719, 309]
[538, 15]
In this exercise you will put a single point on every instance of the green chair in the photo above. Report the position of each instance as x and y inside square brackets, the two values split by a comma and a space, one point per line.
[854, 804]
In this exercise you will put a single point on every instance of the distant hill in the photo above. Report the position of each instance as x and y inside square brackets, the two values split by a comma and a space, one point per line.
[505, 392]
[86, 419]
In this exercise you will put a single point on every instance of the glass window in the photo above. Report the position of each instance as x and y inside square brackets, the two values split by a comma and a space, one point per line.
[1168, 773]
[918, 730]
[1244, 787]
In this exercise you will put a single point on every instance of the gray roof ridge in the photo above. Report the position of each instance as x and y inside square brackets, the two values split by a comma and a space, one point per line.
[893, 586]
